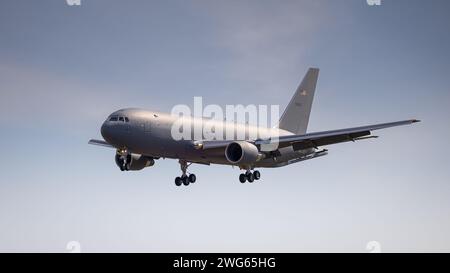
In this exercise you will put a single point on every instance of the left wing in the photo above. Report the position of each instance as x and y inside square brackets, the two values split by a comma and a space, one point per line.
[314, 140]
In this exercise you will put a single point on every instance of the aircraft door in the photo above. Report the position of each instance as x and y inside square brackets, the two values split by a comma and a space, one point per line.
[158, 132]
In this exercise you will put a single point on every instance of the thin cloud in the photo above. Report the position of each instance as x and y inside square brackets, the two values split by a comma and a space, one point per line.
[266, 41]
[49, 98]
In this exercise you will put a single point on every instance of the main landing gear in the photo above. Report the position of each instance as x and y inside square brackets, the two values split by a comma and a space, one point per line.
[185, 179]
[249, 176]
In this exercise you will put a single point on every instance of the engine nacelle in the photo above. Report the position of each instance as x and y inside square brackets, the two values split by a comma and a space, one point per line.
[133, 162]
[242, 153]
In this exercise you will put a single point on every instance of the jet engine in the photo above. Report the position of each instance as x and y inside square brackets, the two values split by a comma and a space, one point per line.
[133, 162]
[242, 153]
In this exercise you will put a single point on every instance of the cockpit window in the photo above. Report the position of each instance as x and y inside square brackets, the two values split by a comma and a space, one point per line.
[119, 118]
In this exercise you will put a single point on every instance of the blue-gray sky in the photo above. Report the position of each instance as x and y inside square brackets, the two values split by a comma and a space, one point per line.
[63, 69]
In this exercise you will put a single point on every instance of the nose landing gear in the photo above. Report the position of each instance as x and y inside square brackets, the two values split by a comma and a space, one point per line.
[122, 160]
[185, 179]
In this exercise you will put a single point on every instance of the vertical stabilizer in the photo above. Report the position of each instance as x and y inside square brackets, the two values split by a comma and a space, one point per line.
[296, 115]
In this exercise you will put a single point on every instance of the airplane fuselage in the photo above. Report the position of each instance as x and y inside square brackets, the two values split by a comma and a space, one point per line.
[151, 133]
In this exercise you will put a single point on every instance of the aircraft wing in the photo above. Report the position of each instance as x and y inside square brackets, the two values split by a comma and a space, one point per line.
[100, 143]
[314, 140]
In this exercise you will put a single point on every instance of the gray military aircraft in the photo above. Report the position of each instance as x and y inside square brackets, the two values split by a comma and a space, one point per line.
[140, 137]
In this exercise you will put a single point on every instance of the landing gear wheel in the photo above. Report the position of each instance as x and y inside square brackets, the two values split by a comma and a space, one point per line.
[178, 181]
[250, 177]
[192, 178]
[242, 178]
[123, 160]
[257, 175]
[185, 180]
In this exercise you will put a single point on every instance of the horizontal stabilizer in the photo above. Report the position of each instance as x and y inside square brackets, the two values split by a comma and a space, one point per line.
[314, 155]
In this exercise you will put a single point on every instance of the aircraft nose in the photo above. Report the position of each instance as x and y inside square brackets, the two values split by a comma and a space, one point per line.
[106, 131]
